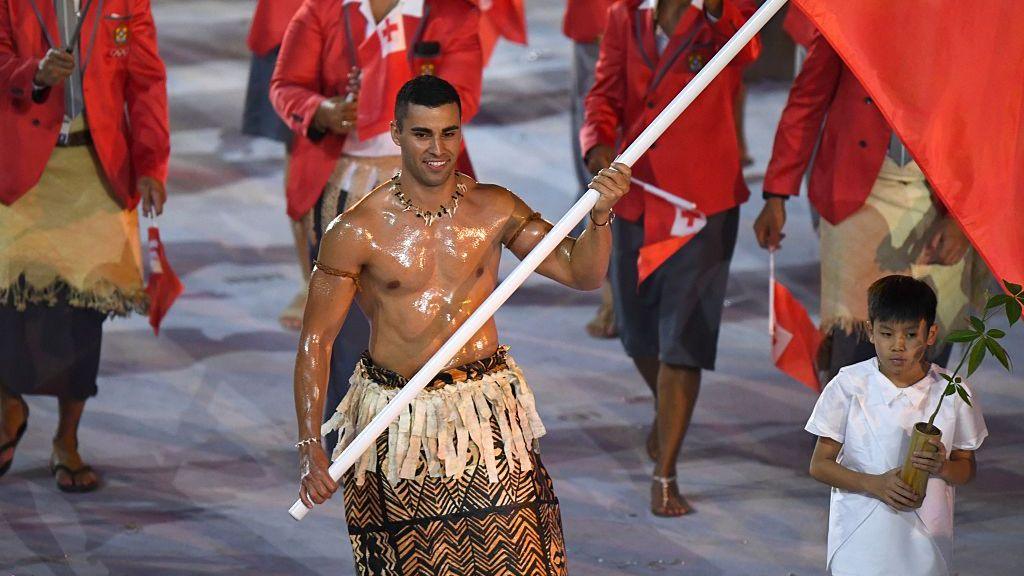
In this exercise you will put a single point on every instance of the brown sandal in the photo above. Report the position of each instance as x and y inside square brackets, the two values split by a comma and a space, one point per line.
[74, 474]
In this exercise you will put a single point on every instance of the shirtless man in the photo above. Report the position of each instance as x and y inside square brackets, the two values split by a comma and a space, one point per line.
[420, 253]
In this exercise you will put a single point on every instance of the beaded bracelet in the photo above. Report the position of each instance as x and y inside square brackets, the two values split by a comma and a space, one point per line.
[611, 216]
[306, 442]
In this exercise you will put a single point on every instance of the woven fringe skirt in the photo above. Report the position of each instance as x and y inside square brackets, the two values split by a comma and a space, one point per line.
[455, 487]
[67, 240]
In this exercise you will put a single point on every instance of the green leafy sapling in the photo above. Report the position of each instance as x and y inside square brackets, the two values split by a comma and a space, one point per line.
[979, 341]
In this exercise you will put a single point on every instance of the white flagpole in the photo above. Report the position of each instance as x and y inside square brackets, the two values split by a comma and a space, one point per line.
[489, 306]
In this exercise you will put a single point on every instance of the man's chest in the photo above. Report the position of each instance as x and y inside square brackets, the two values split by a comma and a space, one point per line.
[443, 256]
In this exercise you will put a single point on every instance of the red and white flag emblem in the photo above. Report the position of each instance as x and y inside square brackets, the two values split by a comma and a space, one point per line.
[667, 228]
[384, 59]
[795, 338]
[163, 286]
[391, 34]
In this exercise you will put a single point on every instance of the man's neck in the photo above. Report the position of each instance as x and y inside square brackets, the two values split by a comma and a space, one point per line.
[425, 196]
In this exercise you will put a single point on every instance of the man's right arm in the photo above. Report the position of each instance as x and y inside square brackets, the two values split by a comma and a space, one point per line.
[16, 73]
[800, 125]
[796, 137]
[296, 83]
[21, 77]
[605, 104]
[332, 287]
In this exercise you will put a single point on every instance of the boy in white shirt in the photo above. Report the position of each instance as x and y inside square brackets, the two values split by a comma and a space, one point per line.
[863, 420]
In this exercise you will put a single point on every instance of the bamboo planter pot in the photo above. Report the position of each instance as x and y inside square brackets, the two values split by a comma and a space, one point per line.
[918, 479]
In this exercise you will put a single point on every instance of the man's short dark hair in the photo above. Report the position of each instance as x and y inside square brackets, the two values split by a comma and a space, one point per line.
[425, 90]
[899, 298]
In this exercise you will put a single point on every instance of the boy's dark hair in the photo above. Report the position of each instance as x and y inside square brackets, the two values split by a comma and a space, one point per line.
[425, 90]
[898, 298]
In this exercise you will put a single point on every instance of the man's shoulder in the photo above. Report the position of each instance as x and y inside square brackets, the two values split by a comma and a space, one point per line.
[370, 209]
[361, 219]
[494, 196]
[486, 188]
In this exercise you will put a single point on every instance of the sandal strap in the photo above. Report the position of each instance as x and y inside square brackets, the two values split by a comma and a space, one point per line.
[664, 480]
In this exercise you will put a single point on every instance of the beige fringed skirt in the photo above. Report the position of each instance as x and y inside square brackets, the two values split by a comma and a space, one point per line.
[456, 485]
[67, 240]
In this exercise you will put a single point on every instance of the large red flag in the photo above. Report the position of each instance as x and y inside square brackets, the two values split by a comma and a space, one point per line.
[948, 77]
[385, 70]
[795, 338]
[799, 28]
[668, 225]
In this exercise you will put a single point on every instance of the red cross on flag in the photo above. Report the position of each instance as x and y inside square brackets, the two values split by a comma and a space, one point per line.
[385, 69]
[666, 228]
[795, 338]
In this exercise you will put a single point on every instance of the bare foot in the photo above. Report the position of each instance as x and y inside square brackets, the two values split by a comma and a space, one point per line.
[291, 317]
[666, 499]
[70, 472]
[652, 442]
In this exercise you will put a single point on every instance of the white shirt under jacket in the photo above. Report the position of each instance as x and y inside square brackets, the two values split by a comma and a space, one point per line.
[873, 418]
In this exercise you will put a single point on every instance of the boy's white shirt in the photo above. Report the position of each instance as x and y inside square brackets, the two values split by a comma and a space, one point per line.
[862, 409]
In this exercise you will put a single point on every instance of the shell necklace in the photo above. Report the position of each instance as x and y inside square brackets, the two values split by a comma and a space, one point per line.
[428, 216]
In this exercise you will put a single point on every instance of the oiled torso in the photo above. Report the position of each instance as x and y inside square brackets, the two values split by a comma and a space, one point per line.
[419, 283]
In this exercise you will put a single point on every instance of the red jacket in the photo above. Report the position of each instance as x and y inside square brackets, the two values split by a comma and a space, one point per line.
[698, 157]
[853, 143]
[269, 23]
[314, 62]
[124, 86]
[585, 20]
[798, 26]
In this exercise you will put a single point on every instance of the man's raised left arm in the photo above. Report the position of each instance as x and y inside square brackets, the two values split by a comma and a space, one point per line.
[580, 263]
